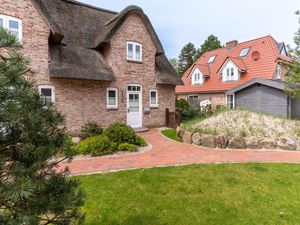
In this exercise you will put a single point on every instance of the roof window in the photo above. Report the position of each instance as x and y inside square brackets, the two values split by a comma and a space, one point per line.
[211, 59]
[244, 52]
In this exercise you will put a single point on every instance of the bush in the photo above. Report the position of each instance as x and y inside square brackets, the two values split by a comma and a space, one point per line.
[121, 133]
[96, 146]
[127, 147]
[90, 129]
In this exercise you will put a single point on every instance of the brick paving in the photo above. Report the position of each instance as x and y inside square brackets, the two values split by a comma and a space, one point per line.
[166, 152]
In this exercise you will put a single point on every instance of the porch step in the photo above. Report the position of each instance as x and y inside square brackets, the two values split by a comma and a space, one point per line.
[141, 130]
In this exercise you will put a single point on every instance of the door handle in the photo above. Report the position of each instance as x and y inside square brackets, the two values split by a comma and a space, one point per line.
[128, 110]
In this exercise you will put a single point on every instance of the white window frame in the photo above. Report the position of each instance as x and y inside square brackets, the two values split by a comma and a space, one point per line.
[233, 103]
[278, 72]
[6, 20]
[116, 106]
[153, 105]
[47, 86]
[134, 45]
[211, 59]
[244, 52]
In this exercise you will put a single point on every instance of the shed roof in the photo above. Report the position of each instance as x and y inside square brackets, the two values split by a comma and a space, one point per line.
[277, 84]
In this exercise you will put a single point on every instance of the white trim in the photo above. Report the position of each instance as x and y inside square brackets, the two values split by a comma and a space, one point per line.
[116, 106]
[153, 105]
[134, 45]
[47, 86]
[233, 99]
[6, 20]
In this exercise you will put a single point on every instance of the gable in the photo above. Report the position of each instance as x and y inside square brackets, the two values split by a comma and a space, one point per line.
[113, 25]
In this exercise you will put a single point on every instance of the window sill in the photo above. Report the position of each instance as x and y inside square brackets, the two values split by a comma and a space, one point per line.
[135, 61]
[154, 106]
[112, 108]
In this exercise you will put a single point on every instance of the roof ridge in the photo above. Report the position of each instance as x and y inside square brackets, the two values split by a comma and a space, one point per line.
[75, 2]
[243, 42]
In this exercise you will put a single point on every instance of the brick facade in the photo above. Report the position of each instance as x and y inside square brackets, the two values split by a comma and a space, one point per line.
[82, 101]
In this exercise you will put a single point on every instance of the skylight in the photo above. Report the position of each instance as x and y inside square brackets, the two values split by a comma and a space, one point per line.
[211, 59]
[244, 52]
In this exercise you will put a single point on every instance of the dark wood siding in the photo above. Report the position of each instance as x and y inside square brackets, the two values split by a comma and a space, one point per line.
[296, 107]
[263, 99]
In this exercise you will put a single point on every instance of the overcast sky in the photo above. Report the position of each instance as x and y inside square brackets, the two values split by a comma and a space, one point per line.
[178, 22]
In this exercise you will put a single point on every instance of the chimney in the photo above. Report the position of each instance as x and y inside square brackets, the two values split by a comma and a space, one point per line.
[231, 44]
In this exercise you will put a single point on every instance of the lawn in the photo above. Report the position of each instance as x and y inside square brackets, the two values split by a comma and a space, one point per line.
[171, 133]
[223, 194]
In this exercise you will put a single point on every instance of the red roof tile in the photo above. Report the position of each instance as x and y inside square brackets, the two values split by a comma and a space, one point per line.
[261, 62]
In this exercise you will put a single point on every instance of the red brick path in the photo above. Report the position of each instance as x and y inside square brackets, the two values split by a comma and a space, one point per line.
[166, 152]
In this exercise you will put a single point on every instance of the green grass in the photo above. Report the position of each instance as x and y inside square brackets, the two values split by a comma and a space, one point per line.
[242, 194]
[171, 133]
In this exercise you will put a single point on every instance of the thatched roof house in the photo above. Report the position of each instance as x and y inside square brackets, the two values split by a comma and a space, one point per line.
[95, 64]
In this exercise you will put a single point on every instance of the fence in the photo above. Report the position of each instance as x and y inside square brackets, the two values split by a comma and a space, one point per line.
[173, 119]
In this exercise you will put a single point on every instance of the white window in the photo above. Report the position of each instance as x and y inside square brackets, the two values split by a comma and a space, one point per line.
[134, 51]
[230, 74]
[112, 98]
[13, 25]
[47, 93]
[211, 59]
[197, 77]
[153, 98]
[244, 52]
[230, 101]
[278, 72]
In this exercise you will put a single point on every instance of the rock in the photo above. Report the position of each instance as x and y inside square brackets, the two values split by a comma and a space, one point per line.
[187, 137]
[269, 143]
[253, 143]
[209, 141]
[288, 144]
[179, 132]
[222, 141]
[197, 139]
[237, 143]
[75, 140]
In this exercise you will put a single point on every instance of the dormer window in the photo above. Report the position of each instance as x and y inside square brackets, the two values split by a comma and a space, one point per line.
[211, 59]
[13, 25]
[244, 52]
[197, 77]
[229, 74]
[134, 51]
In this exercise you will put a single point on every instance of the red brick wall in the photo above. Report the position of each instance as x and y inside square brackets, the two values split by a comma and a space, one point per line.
[216, 98]
[35, 35]
[82, 101]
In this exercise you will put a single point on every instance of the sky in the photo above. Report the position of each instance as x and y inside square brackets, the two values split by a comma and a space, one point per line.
[182, 21]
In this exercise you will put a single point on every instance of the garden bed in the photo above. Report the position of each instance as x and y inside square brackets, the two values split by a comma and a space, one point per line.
[242, 129]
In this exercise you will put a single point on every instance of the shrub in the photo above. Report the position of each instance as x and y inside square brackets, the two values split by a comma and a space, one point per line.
[121, 133]
[127, 147]
[96, 146]
[90, 129]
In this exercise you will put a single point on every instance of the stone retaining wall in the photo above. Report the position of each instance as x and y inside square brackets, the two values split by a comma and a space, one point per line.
[223, 142]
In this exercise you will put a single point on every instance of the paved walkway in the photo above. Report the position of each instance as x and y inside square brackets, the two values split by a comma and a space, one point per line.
[166, 152]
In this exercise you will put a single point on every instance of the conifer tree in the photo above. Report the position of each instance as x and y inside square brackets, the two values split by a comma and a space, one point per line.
[186, 58]
[32, 191]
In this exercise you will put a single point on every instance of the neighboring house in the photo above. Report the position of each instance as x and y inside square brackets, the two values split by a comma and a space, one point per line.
[94, 64]
[228, 76]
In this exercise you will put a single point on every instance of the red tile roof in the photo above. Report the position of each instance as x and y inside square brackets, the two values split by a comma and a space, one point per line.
[260, 62]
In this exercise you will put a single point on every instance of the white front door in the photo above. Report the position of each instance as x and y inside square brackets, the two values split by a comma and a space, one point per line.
[134, 106]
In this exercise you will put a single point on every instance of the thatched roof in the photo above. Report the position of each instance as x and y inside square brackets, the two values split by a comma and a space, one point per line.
[166, 74]
[79, 31]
